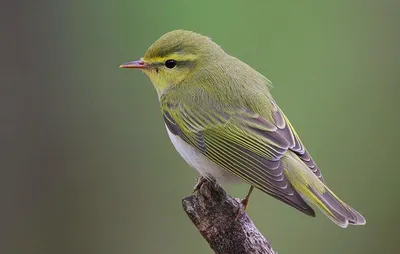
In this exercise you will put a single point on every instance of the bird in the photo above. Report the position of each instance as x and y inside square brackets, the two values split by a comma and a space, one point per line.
[222, 119]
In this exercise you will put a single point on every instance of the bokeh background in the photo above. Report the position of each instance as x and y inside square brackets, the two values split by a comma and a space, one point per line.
[87, 167]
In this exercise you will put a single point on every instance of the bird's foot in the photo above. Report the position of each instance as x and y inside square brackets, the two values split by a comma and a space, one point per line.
[244, 203]
[200, 181]
[242, 208]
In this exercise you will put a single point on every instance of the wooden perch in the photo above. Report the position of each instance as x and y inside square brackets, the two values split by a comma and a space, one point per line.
[214, 213]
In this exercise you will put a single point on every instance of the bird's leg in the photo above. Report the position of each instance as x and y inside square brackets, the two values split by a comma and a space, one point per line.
[199, 183]
[245, 202]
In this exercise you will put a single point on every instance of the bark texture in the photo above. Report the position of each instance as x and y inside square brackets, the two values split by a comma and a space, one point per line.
[214, 213]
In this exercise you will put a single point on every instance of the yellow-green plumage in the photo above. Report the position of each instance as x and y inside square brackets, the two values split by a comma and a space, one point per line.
[222, 119]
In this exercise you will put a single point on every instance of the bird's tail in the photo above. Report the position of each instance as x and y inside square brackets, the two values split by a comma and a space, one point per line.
[316, 192]
[335, 209]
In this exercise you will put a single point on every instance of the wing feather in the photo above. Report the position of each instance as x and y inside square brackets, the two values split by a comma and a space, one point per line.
[242, 142]
[296, 145]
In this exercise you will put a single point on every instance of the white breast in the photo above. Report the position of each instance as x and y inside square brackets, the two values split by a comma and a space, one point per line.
[201, 163]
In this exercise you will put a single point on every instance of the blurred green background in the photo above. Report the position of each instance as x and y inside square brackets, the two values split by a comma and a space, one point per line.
[87, 167]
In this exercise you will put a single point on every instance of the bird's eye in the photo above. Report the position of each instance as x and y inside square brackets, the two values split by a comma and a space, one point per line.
[170, 63]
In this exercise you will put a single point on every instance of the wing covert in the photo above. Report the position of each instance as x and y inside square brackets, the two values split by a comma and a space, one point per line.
[243, 143]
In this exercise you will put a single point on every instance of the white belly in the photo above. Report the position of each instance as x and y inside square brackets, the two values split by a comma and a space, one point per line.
[201, 163]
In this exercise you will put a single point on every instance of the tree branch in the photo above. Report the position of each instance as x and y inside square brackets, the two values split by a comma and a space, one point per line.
[214, 213]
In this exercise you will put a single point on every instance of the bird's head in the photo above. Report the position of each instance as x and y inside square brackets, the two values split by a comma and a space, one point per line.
[174, 57]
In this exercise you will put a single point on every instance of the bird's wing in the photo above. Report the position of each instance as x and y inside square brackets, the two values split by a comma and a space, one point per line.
[242, 142]
[295, 143]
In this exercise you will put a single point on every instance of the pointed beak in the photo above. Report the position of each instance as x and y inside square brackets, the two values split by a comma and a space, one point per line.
[139, 64]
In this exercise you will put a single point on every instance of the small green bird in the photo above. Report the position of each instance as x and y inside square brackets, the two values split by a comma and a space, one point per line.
[222, 119]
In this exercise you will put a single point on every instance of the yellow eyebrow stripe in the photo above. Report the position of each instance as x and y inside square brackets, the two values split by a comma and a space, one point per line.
[177, 57]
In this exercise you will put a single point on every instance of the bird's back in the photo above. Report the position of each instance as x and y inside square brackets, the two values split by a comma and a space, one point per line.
[236, 86]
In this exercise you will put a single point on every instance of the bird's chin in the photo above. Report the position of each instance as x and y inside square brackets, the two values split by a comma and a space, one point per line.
[158, 83]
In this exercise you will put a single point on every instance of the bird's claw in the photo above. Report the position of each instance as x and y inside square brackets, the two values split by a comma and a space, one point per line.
[200, 181]
[242, 207]
[244, 203]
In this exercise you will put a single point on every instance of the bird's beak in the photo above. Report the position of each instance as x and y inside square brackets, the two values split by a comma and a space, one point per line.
[139, 64]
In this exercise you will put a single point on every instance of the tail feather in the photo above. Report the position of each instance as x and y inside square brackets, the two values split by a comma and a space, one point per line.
[309, 186]
[336, 210]
[360, 219]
